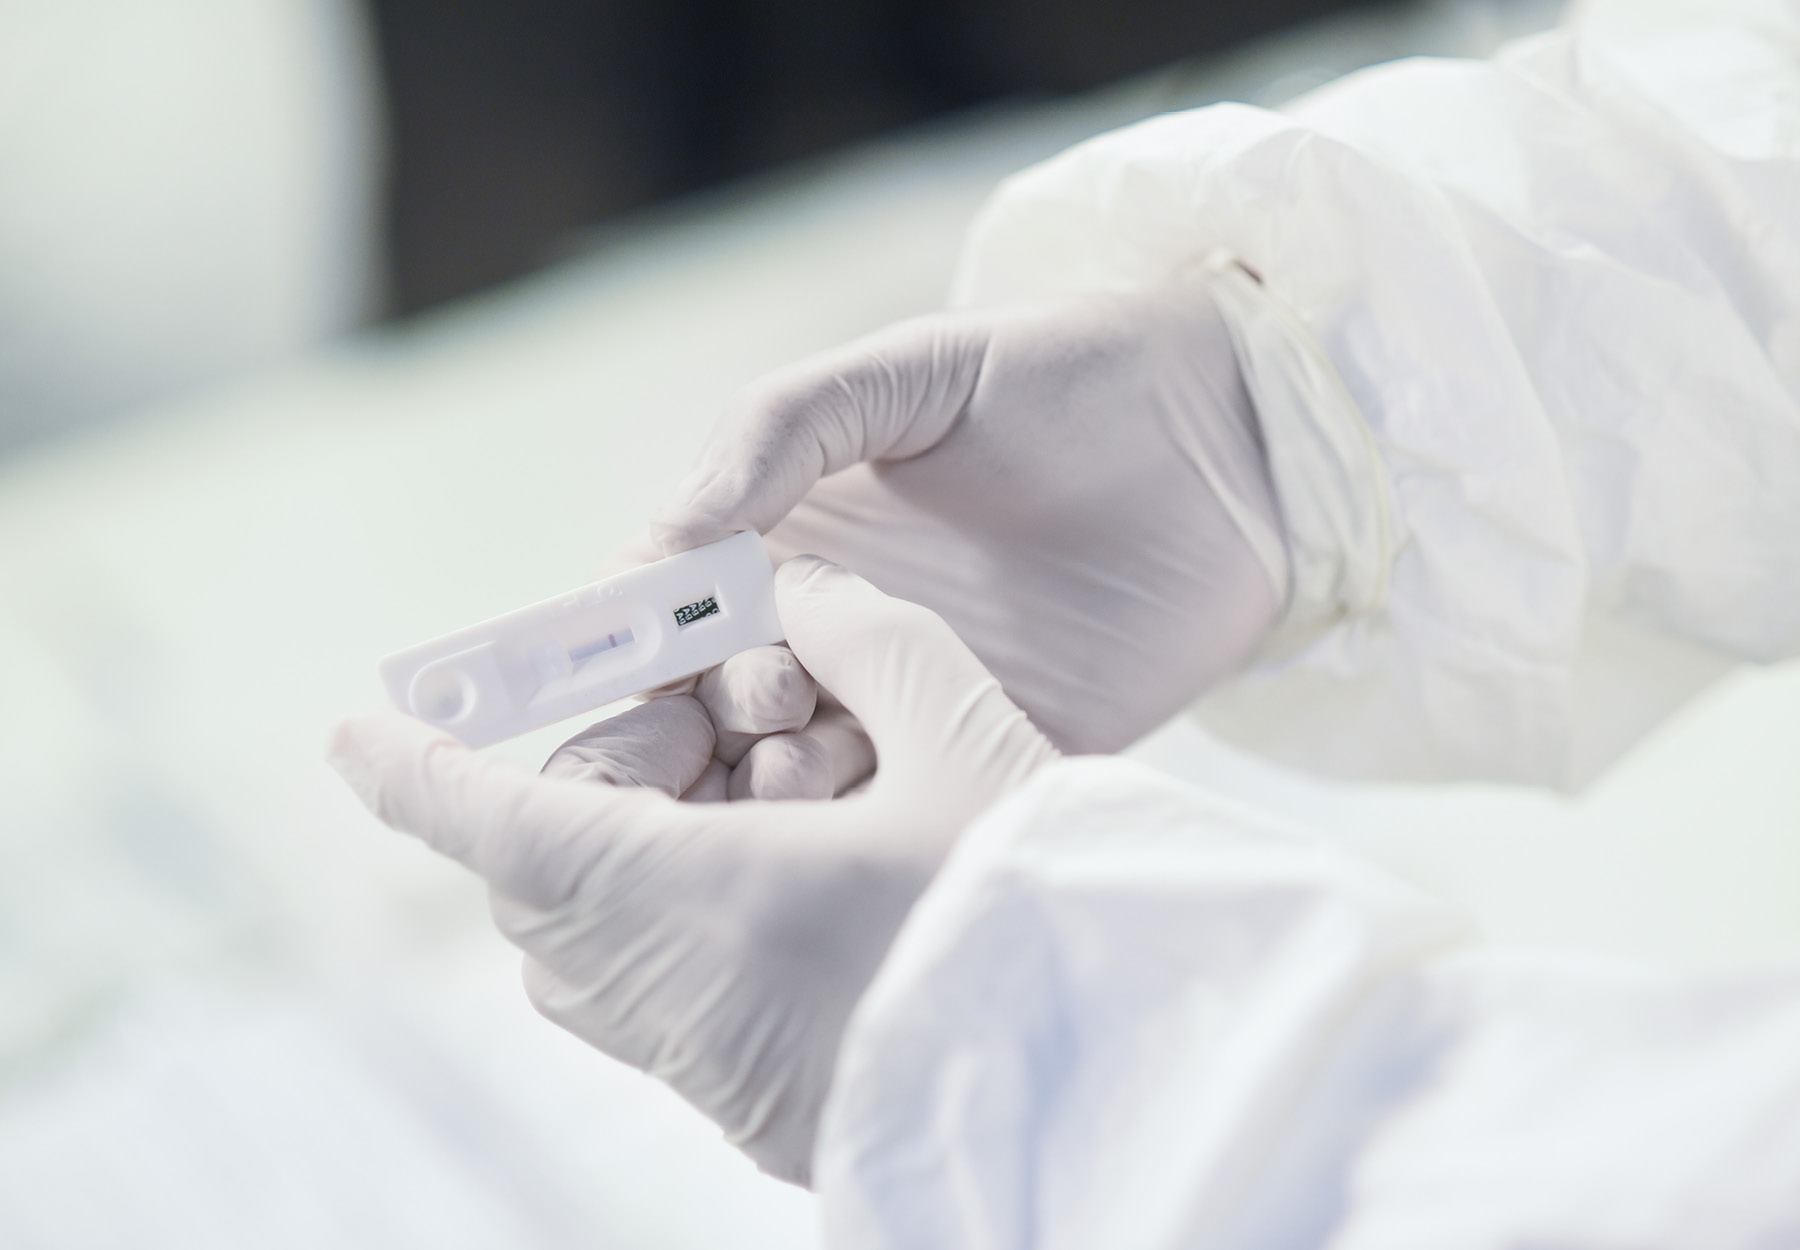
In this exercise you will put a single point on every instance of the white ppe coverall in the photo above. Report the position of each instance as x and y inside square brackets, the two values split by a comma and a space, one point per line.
[1130, 1015]
[1524, 336]
[1560, 294]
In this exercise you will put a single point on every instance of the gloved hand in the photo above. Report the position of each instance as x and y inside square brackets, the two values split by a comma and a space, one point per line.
[754, 701]
[720, 946]
[1077, 488]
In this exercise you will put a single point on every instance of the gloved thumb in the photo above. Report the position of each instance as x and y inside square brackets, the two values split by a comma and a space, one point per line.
[919, 692]
[891, 395]
[531, 837]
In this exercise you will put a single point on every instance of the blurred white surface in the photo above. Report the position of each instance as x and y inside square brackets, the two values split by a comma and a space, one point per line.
[248, 1015]
[190, 192]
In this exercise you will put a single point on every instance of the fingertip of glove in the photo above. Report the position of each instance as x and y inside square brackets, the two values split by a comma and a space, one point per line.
[357, 743]
[630, 554]
[808, 572]
[775, 694]
[677, 534]
[688, 520]
[347, 753]
[818, 601]
[783, 766]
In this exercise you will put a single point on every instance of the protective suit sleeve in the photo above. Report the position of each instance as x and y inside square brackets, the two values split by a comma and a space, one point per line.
[1129, 1014]
[1560, 290]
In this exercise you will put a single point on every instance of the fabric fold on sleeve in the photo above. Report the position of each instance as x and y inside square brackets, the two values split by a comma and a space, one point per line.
[1129, 1014]
[1561, 289]
[1466, 672]
[1109, 997]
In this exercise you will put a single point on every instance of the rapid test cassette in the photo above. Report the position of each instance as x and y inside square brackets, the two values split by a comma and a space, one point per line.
[589, 647]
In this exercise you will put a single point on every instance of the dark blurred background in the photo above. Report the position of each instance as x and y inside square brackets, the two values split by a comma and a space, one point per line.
[513, 123]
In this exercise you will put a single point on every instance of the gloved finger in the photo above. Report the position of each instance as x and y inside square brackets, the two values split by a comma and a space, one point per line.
[848, 748]
[825, 759]
[713, 786]
[896, 666]
[532, 837]
[637, 550]
[891, 395]
[730, 748]
[664, 744]
[783, 766]
[760, 691]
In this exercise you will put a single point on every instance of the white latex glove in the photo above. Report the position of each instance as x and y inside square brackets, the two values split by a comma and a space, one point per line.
[1069, 485]
[754, 701]
[753, 704]
[720, 947]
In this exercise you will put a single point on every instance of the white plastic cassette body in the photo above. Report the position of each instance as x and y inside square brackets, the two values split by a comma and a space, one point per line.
[592, 646]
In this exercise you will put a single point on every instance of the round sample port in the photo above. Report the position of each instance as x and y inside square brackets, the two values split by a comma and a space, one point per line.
[441, 695]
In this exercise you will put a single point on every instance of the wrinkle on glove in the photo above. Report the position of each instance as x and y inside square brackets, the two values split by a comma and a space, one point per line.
[1128, 1014]
[664, 744]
